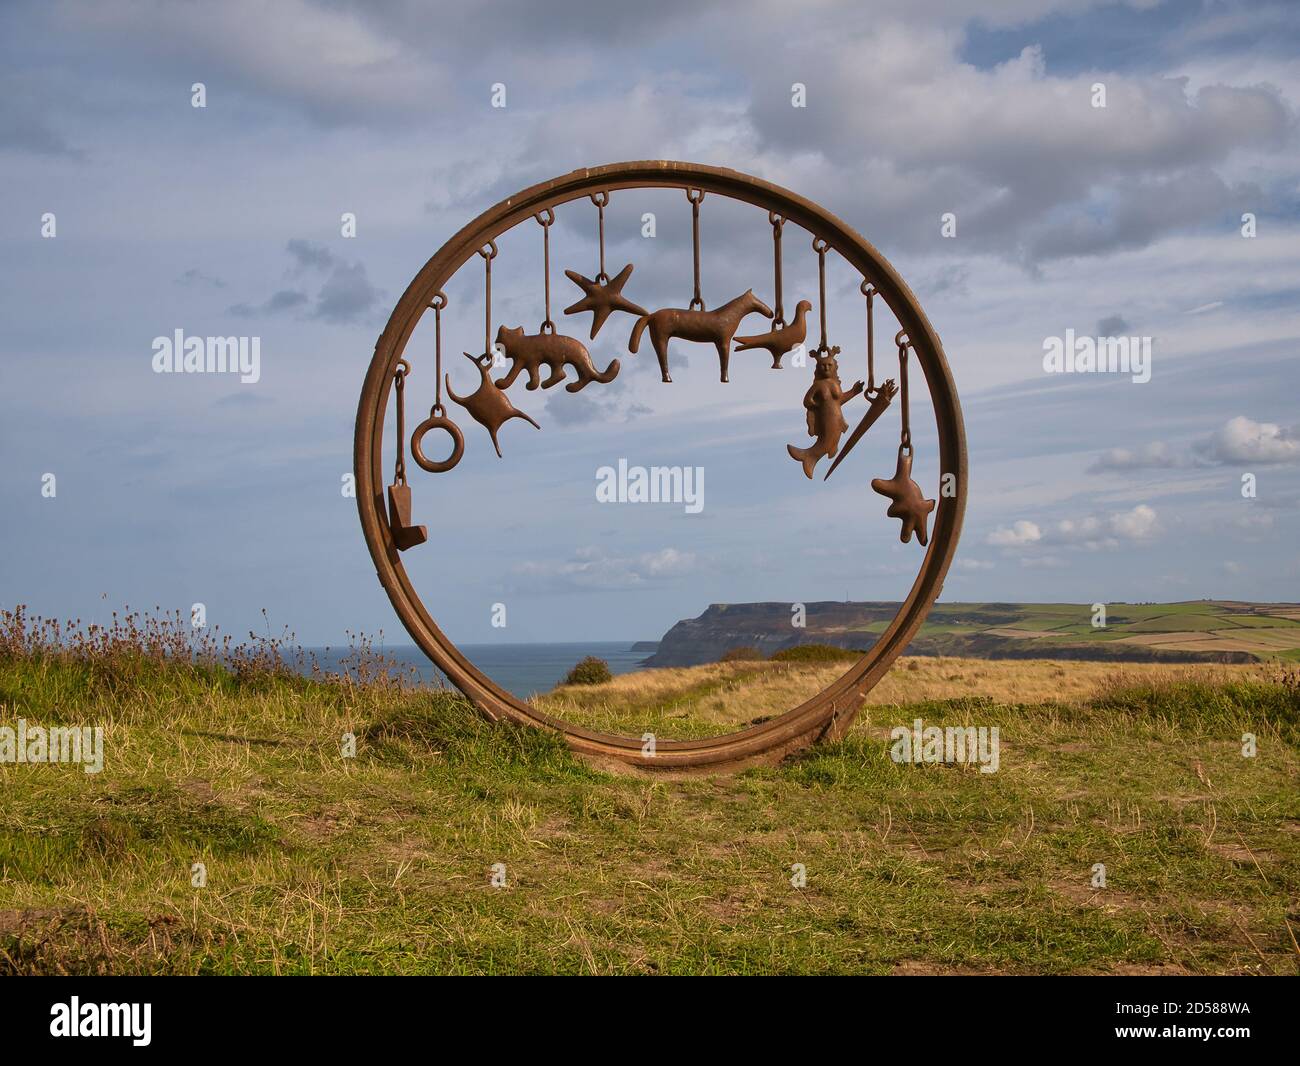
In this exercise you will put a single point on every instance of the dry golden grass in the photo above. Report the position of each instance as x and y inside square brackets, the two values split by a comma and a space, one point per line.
[681, 703]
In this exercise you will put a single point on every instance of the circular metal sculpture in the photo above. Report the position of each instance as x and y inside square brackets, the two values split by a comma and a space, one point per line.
[389, 532]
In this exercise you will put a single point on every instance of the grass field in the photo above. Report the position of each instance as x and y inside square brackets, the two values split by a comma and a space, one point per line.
[1266, 631]
[1226, 631]
[382, 863]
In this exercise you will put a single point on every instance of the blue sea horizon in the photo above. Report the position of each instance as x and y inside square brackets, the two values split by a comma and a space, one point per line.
[522, 669]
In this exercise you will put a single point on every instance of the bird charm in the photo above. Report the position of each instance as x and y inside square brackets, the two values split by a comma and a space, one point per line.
[779, 341]
[909, 504]
[487, 404]
[602, 298]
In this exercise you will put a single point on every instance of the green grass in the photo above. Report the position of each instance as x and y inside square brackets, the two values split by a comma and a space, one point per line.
[816, 653]
[1262, 621]
[381, 864]
[1177, 623]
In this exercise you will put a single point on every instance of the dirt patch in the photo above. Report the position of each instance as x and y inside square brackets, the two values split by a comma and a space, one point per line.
[924, 968]
[77, 941]
[199, 790]
[319, 827]
[1240, 853]
[1084, 895]
[1150, 969]
[13, 922]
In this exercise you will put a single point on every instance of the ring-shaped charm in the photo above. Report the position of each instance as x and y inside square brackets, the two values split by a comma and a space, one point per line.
[437, 420]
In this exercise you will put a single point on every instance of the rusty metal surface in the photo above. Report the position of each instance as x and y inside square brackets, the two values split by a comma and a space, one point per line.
[824, 402]
[530, 352]
[715, 327]
[779, 341]
[827, 714]
[489, 406]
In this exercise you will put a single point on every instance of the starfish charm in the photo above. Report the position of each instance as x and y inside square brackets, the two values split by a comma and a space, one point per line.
[909, 503]
[603, 298]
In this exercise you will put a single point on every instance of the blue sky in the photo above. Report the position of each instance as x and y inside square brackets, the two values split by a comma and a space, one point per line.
[225, 220]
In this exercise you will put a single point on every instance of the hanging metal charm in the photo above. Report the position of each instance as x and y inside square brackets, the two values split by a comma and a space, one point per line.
[554, 350]
[878, 397]
[822, 402]
[825, 397]
[909, 503]
[437, 413]
[488, 405]
[693, 323]
[405, 535]
[604, 295]
[781, 338]
[531, 352]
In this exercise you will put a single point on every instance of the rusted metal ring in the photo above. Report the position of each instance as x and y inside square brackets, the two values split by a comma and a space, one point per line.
[694, 195]
[600, 199]
[830, 712]
[820, 244]
[437, 420]
[545, 218]
[489, 250]
[439, 301]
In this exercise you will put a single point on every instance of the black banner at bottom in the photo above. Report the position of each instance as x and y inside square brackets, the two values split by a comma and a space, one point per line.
[143, 1015]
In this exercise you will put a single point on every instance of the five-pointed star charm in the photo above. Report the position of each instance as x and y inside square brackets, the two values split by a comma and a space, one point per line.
[602, 299]
[909, 504]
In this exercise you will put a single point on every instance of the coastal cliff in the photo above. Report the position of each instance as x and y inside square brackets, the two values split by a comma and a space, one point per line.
[1201, 631]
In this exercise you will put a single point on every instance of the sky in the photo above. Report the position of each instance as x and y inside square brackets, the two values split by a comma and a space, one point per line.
[1171, 214]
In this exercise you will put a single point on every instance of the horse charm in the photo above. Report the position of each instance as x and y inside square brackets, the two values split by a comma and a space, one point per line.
[716, 327]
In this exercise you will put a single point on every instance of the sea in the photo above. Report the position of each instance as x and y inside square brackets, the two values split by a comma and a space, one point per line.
[520, 669]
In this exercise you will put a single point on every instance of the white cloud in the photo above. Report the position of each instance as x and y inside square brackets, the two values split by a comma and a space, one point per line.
[1156, 455]
[1092, 531]
[956, 134]
[1138, 524]
[1239, 440]
[1019, 533]
[1243, 440]
[593, 568]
